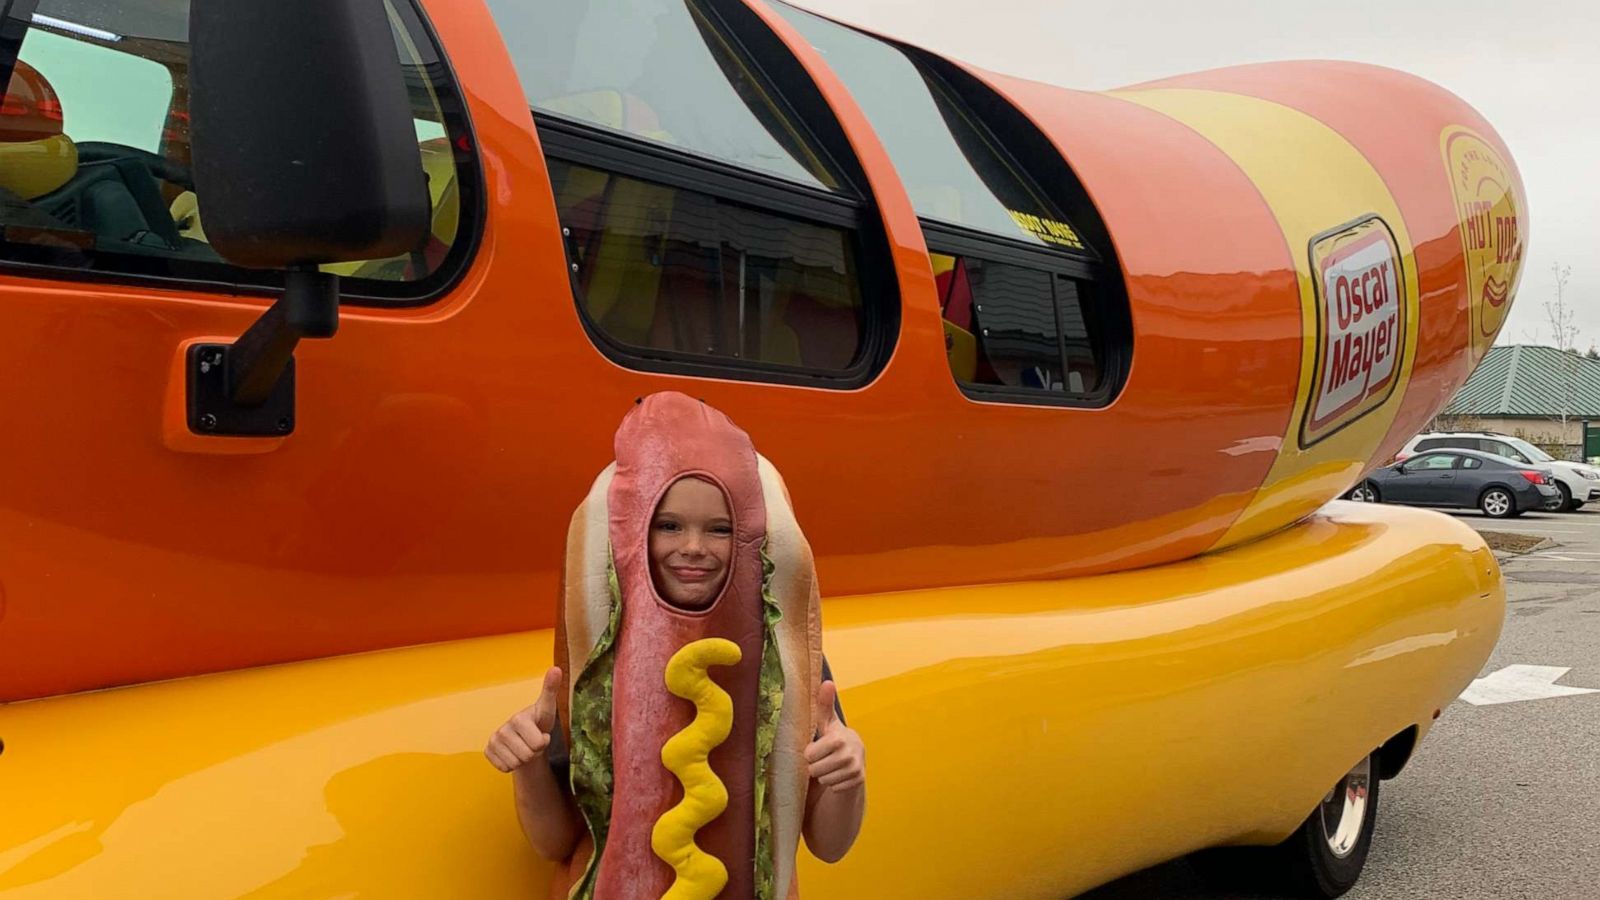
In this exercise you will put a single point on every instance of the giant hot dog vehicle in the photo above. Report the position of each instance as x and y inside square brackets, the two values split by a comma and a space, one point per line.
[317, 320]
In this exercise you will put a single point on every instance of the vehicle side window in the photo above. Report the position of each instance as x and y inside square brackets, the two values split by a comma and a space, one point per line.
[95, 153]
[665, 269]
[1029, 312]
[1499, 448]
[1433, 444]
[1431, 462]
[1467, 462]
[661, 70]
[712, 227]
[1011, 326]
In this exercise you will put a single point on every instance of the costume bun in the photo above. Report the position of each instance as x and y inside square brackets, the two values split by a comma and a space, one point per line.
[728, 692]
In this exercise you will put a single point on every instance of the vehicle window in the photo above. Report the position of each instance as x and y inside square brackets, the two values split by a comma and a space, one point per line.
[951, 169]
[658, 70]
[1432, 462]
[115, 97]
[1467, 462]
[711, 228]
[1436, 443]
[1530, 452]
[1025, 316]
[679, 272]
[1502, 449]
[1012, 326]
[94, 149]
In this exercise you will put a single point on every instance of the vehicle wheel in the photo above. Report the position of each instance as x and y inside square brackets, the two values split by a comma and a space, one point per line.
[1567, 503]
[1365, 492]
[1325, 855]
[1497, 503]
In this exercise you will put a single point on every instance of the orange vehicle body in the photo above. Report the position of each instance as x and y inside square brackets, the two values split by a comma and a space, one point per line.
[1155, 592]
[424, 494]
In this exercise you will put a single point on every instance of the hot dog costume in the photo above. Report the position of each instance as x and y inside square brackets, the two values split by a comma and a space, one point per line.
[686, 728]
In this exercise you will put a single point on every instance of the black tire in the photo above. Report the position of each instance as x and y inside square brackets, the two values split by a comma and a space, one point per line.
[1498, 503]
[1305, 865]
[1307, 862]
[1567, 503]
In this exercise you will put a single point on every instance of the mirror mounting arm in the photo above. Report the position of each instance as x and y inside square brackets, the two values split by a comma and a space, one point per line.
[246, 388]
[309, 308]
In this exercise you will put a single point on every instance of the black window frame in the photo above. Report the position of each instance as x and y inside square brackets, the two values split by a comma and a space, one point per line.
[850, 209]
[179, 274]
[1096, 277]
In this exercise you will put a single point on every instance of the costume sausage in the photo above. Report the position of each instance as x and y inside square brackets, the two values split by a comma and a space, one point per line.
[686, 728]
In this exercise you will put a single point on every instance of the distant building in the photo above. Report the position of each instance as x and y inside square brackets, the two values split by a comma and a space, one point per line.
[1523, 390]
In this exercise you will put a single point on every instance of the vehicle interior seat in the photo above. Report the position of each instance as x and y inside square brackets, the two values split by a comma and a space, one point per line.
[115, 194]
[955, 308]
[620, 233]
[108, 190]
[36, 156]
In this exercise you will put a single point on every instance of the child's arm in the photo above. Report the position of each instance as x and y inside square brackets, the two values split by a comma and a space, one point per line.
[546, 812]
[836, 800]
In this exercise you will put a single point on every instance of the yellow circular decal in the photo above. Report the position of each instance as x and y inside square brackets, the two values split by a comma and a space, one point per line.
[1491, 234]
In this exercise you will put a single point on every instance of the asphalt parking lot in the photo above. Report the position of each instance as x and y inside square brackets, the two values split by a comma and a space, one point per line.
[1502, 800]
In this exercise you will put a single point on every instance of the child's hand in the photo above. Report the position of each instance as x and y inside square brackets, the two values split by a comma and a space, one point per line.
[837, 759]
[524, 737]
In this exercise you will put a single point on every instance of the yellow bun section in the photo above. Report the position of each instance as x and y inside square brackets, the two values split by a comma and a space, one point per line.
[32, 169]
[700, 876]
[1382, 614]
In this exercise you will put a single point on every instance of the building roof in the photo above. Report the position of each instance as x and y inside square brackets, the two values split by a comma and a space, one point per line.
[1531, 381]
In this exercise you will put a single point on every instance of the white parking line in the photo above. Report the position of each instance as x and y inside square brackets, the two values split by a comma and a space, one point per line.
[1515, 683]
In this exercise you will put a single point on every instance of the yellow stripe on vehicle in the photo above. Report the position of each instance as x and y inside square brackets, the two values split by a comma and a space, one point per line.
[1325, 196]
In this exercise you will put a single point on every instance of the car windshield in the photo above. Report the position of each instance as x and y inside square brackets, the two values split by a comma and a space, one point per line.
[1530, 451]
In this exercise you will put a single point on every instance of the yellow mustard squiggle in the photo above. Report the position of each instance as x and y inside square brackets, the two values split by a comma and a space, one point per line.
[700, 876]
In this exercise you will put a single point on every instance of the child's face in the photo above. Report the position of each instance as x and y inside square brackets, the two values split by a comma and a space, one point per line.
[691, 543]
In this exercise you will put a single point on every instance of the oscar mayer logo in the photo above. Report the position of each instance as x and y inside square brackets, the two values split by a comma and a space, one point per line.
[1361, 317]
[1491, 234]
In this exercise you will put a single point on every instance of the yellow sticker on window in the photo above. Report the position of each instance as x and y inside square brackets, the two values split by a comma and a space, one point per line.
[1048, 230]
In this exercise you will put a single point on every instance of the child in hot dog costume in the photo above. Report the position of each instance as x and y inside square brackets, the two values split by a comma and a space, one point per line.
[700, 735]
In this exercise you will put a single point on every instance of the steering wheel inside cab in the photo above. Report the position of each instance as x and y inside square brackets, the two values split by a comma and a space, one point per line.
[116, 194]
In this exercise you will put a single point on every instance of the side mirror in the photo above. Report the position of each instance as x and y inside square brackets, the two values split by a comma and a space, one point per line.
[304, 153]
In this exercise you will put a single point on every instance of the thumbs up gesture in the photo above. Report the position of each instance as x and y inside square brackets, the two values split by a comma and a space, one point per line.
[525, 736]
[836, 758]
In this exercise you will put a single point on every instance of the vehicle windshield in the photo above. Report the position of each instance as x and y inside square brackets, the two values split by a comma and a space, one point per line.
[1530, 451]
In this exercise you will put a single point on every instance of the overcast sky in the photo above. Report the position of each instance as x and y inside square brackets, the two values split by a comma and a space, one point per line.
[1532, 69]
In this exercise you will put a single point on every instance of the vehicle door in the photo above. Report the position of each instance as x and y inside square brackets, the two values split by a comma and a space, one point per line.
[105, 260]
[1424, 480]
[1472, 475]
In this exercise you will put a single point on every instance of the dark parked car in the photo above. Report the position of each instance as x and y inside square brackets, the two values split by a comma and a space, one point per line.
[1497, 486]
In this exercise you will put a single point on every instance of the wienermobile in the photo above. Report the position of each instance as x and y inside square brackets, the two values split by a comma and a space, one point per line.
[1061, 383]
